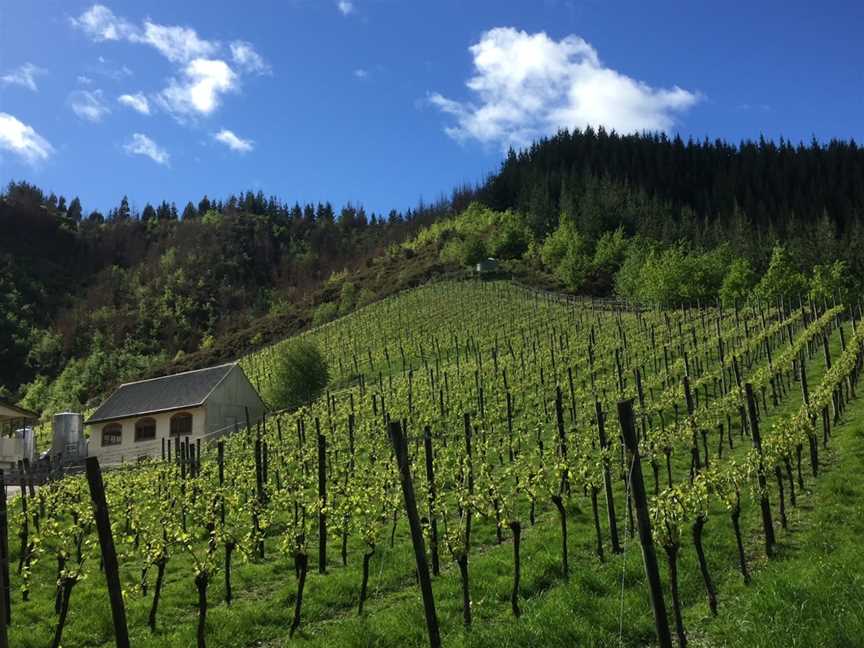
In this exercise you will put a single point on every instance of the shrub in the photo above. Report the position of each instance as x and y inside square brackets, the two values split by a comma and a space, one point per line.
[324, 313]
[300, 374]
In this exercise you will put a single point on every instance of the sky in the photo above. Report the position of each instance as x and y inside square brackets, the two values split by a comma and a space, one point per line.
[387, 102]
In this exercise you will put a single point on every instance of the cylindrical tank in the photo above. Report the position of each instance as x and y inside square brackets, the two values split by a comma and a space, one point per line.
[68, 443]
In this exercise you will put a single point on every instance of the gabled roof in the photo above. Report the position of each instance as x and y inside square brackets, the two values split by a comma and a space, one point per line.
[10, 411]
[178, 391]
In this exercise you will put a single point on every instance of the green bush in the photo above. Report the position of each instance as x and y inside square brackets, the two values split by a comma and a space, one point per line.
[324, 313]
[300, 374]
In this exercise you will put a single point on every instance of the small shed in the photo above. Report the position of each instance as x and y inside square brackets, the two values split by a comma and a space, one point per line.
[17, 440]
[201, 404]
[487, 266]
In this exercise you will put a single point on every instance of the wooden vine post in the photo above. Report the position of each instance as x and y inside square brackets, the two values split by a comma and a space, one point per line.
[643, 523]
[4, 577]
[607, 479]
[109, 555]
[400, 449]
[5, 594]
[764, 504]
[430, 479]
[322, 495]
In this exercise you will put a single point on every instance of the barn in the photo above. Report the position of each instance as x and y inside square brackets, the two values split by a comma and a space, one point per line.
[201, 404]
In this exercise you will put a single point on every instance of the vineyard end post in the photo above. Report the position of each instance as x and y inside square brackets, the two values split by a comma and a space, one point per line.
[640, 503]
[109, 555]
[400, 449]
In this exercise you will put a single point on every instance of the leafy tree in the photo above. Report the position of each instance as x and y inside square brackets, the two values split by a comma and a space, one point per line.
[564, 252]
[782, 279]
[511, 236]
[610, 251]
[473, 250]
[830, 281]
[738, 282]
[300, 374]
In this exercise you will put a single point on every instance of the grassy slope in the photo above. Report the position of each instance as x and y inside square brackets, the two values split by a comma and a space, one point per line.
[810, 595]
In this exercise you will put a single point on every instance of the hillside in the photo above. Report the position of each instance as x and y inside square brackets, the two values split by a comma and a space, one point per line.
[509, 382]
[646, 218]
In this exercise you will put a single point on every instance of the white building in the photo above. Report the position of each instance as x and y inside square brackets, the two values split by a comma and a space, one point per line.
[201, 404]
[16, 434]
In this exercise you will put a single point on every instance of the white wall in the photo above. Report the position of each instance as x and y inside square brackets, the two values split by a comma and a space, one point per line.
[229, 401]
[129, 449]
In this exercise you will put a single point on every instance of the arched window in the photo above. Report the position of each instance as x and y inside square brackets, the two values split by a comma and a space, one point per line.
[145, 429]
[181, 424]
[112, 434]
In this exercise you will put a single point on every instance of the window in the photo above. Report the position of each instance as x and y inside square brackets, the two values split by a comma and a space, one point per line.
[112, 434]
[145, 429]
[181, 424]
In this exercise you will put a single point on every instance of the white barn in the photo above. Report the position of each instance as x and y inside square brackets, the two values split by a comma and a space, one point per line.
[200, 404]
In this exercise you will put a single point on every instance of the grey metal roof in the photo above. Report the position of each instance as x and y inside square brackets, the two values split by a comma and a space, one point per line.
[16, 410]
[178, 391]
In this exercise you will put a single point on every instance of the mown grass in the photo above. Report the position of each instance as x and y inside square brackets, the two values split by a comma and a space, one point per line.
[810, 594]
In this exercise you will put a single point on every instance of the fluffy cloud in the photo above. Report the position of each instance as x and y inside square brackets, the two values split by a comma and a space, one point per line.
[100, 23]
[140, 144]
[229, 139]
[24, 76]
[177, 44]
[203, 73]
[529, 85]
[88, 105]
[360, 73]
[345, 7]
[247, 59]
[200, 89]
[137, 102]
[20, 139]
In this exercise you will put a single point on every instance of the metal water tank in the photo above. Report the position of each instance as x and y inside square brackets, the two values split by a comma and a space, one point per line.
[68, 442]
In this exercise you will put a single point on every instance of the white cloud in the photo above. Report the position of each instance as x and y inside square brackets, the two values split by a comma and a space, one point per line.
[232, 141]
[24, 76]
[100, 23]
[247, 59]
[22, 140]
[88, 105]
[177, 44]
[203, 73]
[360, 73]
[345, 6]
[200, 89]
[84, 80]
[137, 102]
[140, 144]
[529, 85]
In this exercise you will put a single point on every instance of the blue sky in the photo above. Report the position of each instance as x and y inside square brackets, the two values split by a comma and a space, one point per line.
[382, 102]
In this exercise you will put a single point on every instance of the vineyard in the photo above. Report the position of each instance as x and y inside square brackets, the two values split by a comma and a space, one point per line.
[471, 475]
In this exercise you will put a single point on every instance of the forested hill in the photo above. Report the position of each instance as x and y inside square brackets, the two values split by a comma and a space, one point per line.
[107, 296]
[782, 190]
[88, 299]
